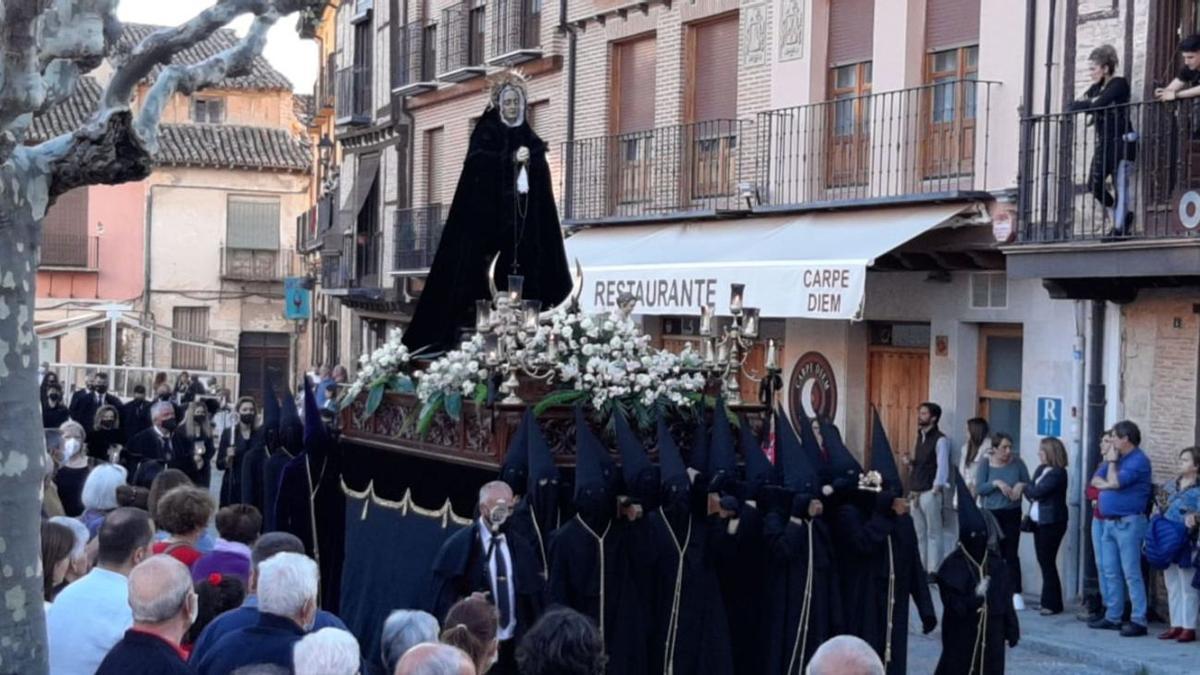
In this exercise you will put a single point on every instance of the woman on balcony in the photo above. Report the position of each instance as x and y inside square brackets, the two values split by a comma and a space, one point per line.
[1107, 102]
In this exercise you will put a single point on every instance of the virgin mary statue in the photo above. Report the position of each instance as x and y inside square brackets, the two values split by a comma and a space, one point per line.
[504, 204]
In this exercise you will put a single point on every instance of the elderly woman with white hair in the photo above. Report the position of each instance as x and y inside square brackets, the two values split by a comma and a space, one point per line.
[287, 608]
[72, 469]
[403, 630]
[100, 495]
[329, 651]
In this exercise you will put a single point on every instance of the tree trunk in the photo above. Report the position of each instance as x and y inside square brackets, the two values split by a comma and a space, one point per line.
[22, 445]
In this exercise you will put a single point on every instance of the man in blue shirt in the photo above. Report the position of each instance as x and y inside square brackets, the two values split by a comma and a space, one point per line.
[248, 614]
[1124, 482]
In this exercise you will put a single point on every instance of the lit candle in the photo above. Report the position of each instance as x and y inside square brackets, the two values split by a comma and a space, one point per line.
[516, 284]
[723, 352]
[552, 347]
[750, 325]
[483, 315]
[736, 293]
[709, 351]
[530, 309]
[772, 356]
[706, 319]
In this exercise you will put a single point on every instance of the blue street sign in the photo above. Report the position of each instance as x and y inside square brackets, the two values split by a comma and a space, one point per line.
[297, 305]
[1050, 414]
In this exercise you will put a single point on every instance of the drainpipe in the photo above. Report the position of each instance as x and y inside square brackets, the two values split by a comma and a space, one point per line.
[569, 155]
[1077, 500]
[1095, 427]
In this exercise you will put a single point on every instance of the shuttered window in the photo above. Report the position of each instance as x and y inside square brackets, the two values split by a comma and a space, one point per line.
[951, 23]
[714, 61]
[252, 223]
[189, 323]
[65, 231]
[634, 66]
[851, 31]
[433, 165]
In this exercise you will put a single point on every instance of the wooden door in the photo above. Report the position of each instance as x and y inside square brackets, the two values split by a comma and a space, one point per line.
[263, 356]
[898, 382]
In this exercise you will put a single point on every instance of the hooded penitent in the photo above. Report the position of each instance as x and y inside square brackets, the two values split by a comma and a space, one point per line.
[759, 470]
[542, 489]
[798, 475]
[515, 469]
[290, 444]
[844, 468]
[593, 492]
[883, 461]
[972, 526]
[641, 476]
[676, 486]
[722, 458]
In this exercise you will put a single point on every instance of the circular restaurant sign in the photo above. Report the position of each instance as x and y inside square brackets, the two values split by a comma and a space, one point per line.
[813, 388]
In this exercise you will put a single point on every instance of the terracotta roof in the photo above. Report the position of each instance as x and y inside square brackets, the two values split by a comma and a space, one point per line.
[261, 76]
[68, 115]
[304, 106]
[227, 146]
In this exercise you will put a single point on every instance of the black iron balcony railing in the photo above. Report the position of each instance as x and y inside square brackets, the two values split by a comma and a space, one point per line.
[1122, 172]
[354, 95]
[461, 46]
[70, 250]
[249, 264]
[418, 59]
[516, 31]
[326, 87]
[417, 232]
[907, 144]
[335, 272]
[663, 173]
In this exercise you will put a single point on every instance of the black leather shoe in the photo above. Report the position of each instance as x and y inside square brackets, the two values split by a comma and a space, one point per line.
[1132, 629]
[1104, 624]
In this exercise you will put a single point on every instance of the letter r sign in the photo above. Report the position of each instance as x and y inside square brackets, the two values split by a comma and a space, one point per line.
[1050, 413]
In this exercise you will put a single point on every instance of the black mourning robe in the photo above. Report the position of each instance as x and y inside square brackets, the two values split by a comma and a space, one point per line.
[231, 483]
[690, 632]
[135, 417]
[521, 524]
[482, 222]
[460, 569]
[606, 592]
[861, 536]
[788, 547]
[100, 441]
[312, 506]
[53, 418]
[272, 473]
[742, 571]
[252, 477]
[910, 582]
[185, 452]
[962, 652]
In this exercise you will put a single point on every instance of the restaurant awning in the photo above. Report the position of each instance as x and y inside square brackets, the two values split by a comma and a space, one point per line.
[810, 266]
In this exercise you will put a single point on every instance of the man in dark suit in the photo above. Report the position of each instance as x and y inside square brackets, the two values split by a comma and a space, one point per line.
[84, 404]
[135, 415]
[151, 447]
[484, 558]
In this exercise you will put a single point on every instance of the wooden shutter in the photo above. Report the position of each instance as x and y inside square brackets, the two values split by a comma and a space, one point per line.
[714, 70]
[851, 31]
[189, 323]
[65, 230]
[634, 68]
[252, 223]
[433, 176]
[951, 23]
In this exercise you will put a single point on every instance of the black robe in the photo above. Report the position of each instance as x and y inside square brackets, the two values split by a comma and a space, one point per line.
[612, 599]
[861, 537]
[460, 569]
[911, 582]
[962, 653]
[53, 418]
[231, 483]
[742, 571]
[135, 417]
[272, 473]
[312, 506]
[252, 477]
[690, 632]
[482, 222]
[788, 649]
[100, 441]
[184, 459]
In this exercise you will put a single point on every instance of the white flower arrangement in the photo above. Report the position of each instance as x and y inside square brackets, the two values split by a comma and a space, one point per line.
[385, 368]
[457, 373]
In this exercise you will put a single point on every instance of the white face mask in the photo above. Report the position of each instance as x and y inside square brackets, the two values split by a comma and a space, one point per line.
[70, 448]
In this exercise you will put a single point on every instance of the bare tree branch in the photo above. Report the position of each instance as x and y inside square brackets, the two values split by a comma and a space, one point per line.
[21, 88]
